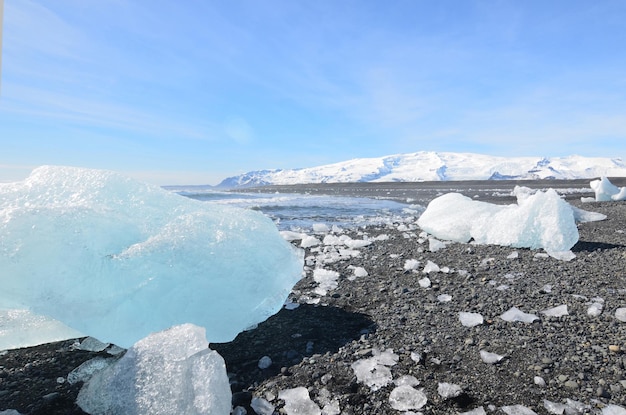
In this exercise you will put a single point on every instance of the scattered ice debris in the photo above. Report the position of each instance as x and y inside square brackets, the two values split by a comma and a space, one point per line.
[513, 255]
[374, 371]
[172, 371]
[265, 362]
[406, 398]
[118, 259]
[435, 245]
[518, 410]
[326, 279]
[515, 314]
[539, 381]
[430, 267]
[554, 407]
[542, 220]
[547, 288]
[424, 282]
[489, 357]
[595, 307]
[309, 241]
[449, 390]
[411, 264]
[470, 319]
[357, 272]
[620, 314]
[320, 228]
[444, 298]
[477, 411]
[606, 191]
[613, 410]
[558, 311]
[298, 402]
[262, 406]
[406, 380]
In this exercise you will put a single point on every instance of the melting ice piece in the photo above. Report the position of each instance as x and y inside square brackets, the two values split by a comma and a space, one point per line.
[489, 357]
[558, 311]
[374, 371]
[411, 264]
[470, 319]
[606, 191]
[22, 328]
[262, 406]
[613, 410]
[298, 402]
[477, 411]
[170, 372]
[424, 282]
[449, 390]
[518, 410]
[326, 279]
[554, 407]
[595, 308]
[542, 220]
[515, 314]
[405, 398]
[444, 298]
[430, 267]
[118, 259]
[620, 314]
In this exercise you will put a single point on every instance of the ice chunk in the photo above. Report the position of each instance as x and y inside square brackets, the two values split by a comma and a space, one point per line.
[449, 390]
[298, 402]
[444, 298]
[515, 314]
[262, 406]
[477, 411]
[357, 272]
[411, 264]
[320, 228]
[85, 371]
[489, 357]
[430, 267]
[606, 191]
[424, 282]
[170, 372]
[117, 259]
[265, 362]
[470, 319]
[542, 220]
[405, 398]
[92, 345]
[309, 241]
[595, 308]
[326, 279]
[407, 380]
[518, 410]
[620, 314]
[22, 328]
[435, 245]
[513, 255]
[554, 407]
[558, 311]
[613, 410]
[374, 371]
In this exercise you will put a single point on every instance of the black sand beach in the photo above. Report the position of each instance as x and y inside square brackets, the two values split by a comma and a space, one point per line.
[576, 356]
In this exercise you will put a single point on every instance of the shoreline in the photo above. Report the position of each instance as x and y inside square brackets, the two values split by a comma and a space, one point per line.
[579, 357]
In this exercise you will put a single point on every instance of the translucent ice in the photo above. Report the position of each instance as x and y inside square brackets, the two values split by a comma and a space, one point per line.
[430, 267]
[326, 280]
[518, 410]
[298, 402]
[620, 314]
[261, 406]
[117, 259]
[606, 191]
[170, 372]
[542, 220]
[489, 357]
[449, 390]
[374, 371]
[22, 328]
[515, 314]
[558, 311]
[470, 319]
[405, 398]
[613, 410]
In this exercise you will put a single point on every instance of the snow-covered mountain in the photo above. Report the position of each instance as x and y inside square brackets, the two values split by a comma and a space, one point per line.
[435, 166]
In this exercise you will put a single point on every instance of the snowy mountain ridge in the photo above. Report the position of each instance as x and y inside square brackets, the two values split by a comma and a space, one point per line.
[436, 166]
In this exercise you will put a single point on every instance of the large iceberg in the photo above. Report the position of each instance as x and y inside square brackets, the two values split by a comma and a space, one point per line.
[118, 259]
[539, 220]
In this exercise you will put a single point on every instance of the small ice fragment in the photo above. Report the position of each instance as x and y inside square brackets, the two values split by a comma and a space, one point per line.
[547, 288]
[470, 319]
[620, 314]
[320, 228]
[411, 264]
[562, 255]
[449, 390]
[595, 308]
[489, 357]
[86, 370]
[374, 371]
[265, 362]
[554, 407]
[424, 282]
[575, 407]
[298, 401]
[444, 298]
[309, 241]
[477, 411]
[430, 267]
[327, 280]
[416, 357]
[359, 271]
[541, 255]
[515, 314]
[262, 406]
[405, 398]
[513, 255]
[357, 243]
[92, 345]
[539, 381]
[518, 410]
[407, 380]
[435, 245]
[613, 410]
[558, 311]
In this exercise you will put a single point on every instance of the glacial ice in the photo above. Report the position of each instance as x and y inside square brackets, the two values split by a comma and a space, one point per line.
[298, 402]
[489, 357]
[468, 319]
[558, 311]
[117, 259]
[374, 371]
[449, 390]
[606, 191]
[169, 372]
[540, 220]
[517, 410]
[515, 314]
[405, 398]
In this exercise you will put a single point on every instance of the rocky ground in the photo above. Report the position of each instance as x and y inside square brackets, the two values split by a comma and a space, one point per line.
[402, 326]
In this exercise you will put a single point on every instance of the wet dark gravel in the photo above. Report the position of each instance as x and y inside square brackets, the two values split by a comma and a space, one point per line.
[578, 357]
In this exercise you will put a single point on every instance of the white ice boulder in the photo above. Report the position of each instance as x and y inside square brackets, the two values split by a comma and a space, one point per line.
[169, 372]
[606, 191]
[118, 259]
[541, 220]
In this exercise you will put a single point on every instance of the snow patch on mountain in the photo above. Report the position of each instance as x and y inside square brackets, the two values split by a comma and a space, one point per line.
[436, 166]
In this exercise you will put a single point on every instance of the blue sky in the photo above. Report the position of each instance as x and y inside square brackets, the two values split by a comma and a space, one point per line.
[190, 92]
